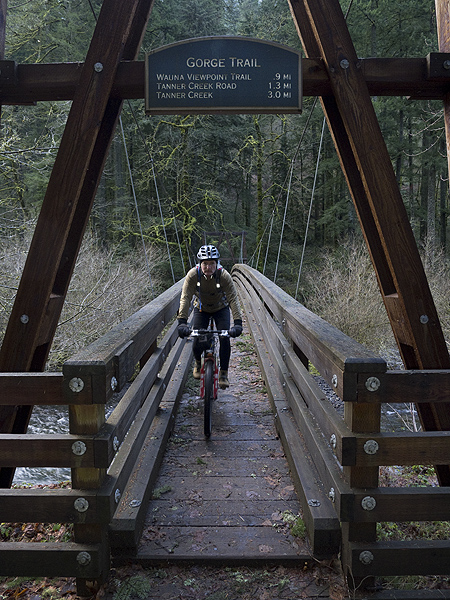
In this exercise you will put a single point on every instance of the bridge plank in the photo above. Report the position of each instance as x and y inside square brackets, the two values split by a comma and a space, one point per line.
[219, 545]
[54, 559]
[36, 505]
[32, 388]
[401, 504]
[39, 450]
[416, 386]
[417, 557]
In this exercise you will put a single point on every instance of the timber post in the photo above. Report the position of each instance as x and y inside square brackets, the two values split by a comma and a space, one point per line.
[68, 200]
[382, 214]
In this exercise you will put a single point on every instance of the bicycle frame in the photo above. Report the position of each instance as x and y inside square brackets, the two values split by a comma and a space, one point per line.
[209, 373]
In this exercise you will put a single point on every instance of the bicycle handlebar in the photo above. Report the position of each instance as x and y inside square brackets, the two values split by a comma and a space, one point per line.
[219, 332]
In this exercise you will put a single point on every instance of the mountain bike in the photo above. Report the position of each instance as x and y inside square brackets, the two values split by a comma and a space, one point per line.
[209, 374]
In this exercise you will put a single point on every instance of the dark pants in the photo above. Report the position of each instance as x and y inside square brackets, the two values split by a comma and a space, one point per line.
[222, 321]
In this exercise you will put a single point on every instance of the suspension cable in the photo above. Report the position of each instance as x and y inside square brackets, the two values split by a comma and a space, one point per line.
[268, 240]
[314, 185]
[310, 206]
[289, 185]
[136, 205]
[132, 181]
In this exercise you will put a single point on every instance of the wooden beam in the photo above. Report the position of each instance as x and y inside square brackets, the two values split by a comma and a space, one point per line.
[68, 200]
[58, 81]
[378, 201]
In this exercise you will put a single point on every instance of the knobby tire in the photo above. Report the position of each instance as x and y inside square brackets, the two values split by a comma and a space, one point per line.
[209, 396]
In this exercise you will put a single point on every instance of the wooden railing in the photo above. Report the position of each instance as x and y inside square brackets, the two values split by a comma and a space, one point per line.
[335, 459]
[102, 453]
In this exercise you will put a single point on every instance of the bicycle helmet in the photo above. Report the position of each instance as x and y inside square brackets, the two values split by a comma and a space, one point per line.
[208, 253]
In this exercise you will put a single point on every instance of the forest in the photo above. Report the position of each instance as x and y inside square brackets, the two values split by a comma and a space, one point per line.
[173, 182]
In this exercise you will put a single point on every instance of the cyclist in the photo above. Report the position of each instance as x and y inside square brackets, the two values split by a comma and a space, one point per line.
[214, 294]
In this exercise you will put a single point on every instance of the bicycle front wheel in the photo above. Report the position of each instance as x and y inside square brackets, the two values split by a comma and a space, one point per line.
[209, 395]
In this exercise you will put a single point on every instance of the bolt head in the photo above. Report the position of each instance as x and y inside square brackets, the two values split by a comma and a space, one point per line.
[79, 448]
[372, 384]
[368, 503]
[83, 558]
[98, 67]
[313, 502]
[371, 447]
[81, 504]
[76, 384]
[366, 557]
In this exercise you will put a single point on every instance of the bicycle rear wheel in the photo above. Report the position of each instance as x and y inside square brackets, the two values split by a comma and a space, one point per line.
[209, 396]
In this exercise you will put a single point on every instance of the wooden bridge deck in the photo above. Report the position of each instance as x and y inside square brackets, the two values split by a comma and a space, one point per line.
[227, 498]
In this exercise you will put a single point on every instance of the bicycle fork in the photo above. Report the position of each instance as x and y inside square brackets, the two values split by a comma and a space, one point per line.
[202, 376]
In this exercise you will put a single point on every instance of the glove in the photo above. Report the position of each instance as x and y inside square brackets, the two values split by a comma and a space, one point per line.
[183, 329]
[236, 330]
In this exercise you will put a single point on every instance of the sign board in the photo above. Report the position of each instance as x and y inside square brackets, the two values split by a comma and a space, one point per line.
[223, 75]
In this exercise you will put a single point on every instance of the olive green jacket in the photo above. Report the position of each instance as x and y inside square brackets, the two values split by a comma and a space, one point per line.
[208, 296]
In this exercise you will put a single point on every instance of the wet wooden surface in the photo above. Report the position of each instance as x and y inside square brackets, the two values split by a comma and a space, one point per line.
[230, 497]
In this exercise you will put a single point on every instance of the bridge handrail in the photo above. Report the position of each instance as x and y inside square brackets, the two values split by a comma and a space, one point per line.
[109, 362]
[347, 450]
[101, 463]
[332, 353]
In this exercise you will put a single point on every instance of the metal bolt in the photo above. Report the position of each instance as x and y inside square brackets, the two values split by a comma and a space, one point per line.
[81, 504]
[368, 503]
[366, 557]
[334, 381]
[371, 447]
[424, 319]
[98, 67]
[113, 383]
[372, 384]
[333, 441]
[313, 502]
[332, 495]
[83, 558]
[76, 384]
[79, 448]
[117, 495]
[116, 443]
[446, 64]
[344, 63]
[24, 319]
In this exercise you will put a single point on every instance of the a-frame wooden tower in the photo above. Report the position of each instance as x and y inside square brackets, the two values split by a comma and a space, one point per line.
[98, 89]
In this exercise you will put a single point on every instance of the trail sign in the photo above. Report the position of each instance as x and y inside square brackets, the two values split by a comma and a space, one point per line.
[223, 75]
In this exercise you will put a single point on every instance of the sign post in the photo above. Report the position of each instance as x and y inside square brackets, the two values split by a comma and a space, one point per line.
[223, 75]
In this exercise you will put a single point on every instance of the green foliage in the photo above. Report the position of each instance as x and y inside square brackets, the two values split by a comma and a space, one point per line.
[137, 586]
[224, 173]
